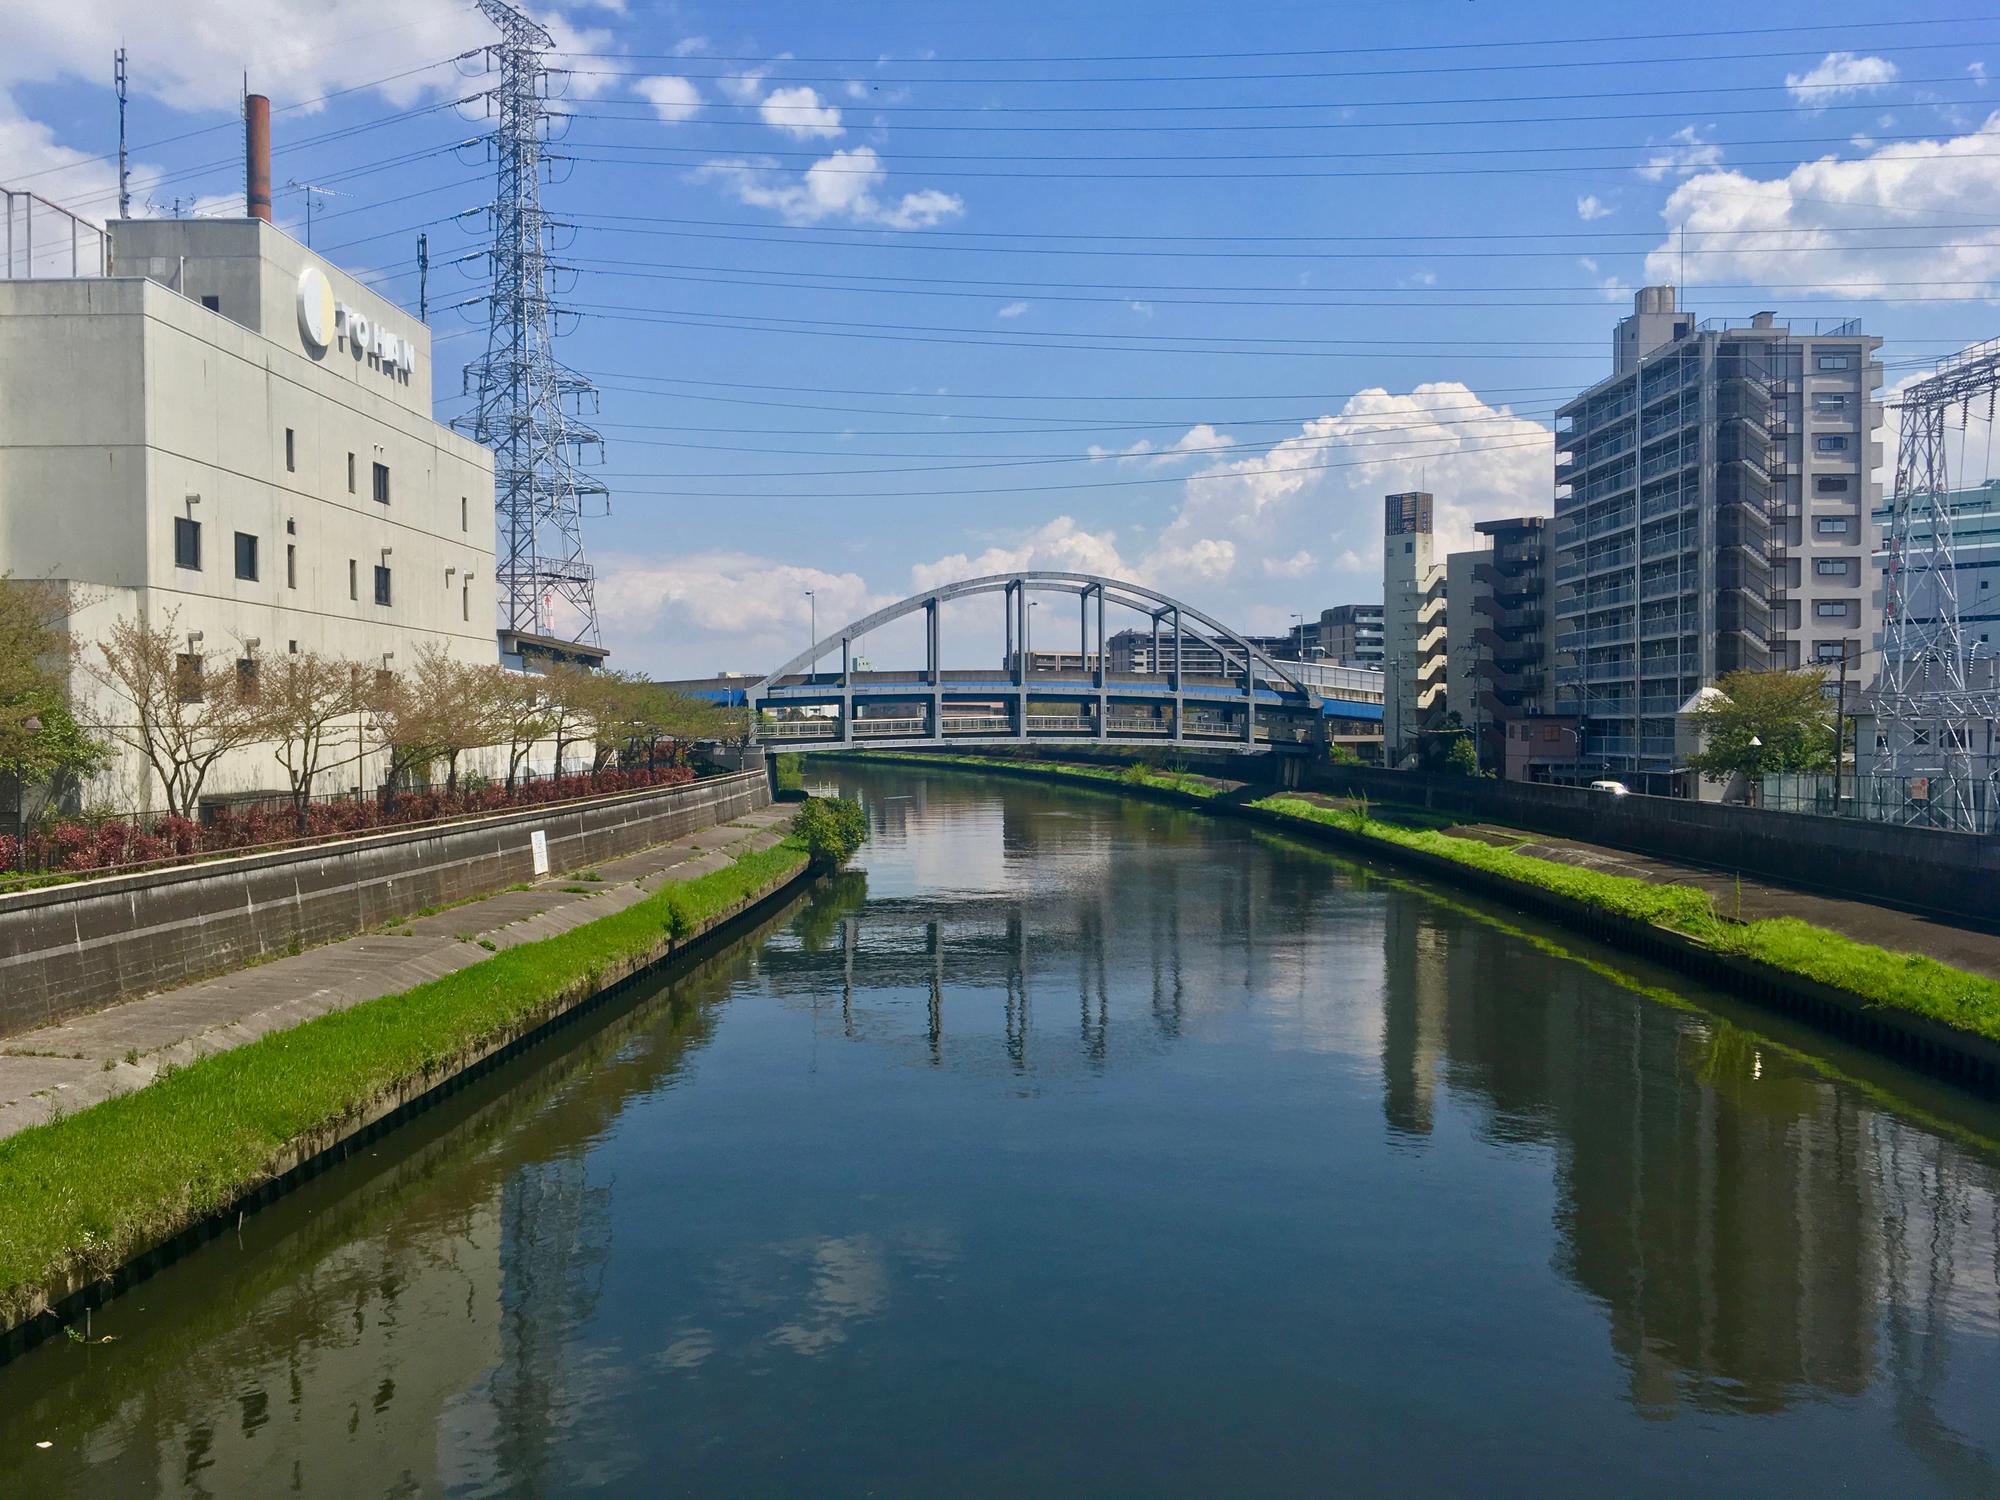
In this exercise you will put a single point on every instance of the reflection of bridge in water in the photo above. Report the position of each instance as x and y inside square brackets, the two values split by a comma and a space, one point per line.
[1251, 704]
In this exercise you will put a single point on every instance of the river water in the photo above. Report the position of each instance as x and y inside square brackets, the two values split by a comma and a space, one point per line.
[1080, 1146]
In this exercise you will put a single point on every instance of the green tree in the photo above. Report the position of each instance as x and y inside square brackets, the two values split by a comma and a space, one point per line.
[1764, 723]
[1460, 757]
[41, 746]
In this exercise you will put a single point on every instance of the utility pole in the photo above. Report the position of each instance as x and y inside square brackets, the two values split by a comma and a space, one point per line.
[124, 178]
[1840, 729]
[423, 278]
[528, 407]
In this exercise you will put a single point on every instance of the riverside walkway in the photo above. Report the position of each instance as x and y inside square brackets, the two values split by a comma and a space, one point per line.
[80, 1062]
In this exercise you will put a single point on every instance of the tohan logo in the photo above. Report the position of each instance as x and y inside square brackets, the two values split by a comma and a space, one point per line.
[315, 307]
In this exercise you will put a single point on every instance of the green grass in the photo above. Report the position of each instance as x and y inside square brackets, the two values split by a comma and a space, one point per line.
[1878, 976]
[87, 1192]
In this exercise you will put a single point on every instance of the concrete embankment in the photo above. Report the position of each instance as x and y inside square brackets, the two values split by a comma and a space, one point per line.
[253, 1120]
[1966, 1057]
[66, 949]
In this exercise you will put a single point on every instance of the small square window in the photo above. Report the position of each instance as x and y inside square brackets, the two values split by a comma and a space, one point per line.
[187, 543]
[187, 676]
[1830, 442]
[213, 304]
[382, 483]
[1830, 401]
[1833, 362]
[291, 452]
[1831, 567]
[1829, 484]
[382, 592]
[1830, 610]
[1830, 525]
[246, 556]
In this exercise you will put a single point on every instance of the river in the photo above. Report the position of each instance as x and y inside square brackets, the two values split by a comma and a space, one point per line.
[1072, 1145]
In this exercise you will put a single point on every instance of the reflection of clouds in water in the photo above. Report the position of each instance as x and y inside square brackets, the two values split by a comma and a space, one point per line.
[818, 1290]
[849, 1283]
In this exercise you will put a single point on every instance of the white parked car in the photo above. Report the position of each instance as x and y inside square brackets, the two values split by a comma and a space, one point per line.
[1611, 788]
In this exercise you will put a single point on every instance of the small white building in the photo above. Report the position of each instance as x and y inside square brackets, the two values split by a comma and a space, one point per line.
[230, 431]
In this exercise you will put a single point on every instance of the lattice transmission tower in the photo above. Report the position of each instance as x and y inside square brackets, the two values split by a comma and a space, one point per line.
[1937, 698]
[530, 409]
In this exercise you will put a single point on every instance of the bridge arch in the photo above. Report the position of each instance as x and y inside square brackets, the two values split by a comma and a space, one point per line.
[1253, 703]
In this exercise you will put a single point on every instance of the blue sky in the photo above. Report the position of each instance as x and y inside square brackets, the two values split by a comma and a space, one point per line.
[890, 293]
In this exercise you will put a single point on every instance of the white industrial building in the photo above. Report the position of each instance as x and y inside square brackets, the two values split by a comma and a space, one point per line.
[1413, 625]
[227, 430]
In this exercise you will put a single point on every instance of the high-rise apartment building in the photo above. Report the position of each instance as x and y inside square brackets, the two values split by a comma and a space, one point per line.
[1350, 635]
[1496, 633]
[1413, 624]
[1711, 499]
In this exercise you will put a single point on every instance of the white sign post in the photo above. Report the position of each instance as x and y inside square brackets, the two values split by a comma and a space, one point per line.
[538, 841]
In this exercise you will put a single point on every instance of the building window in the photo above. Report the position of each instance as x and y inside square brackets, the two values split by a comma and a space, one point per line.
[187, 543]
[465, 601]
[1827, 609]
[1830, 525]
[1831, 651]
[1833, 401]
[246, 679]
[1830, 442]
[464, 516]
[350, 473]
[1829, 484]
[291, 452]
[381, 585]
[1831, 567]
[187, 676]
[246, 556]
[382, 483]
[1833, 362]
[291, 566]
[353, 580]
[213, 304]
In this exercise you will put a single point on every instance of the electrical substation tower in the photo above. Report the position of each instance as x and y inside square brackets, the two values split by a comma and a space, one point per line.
[529, 409]
[1936, 701]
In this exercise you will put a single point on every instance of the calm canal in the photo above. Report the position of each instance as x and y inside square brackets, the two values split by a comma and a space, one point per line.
[1077, 1146]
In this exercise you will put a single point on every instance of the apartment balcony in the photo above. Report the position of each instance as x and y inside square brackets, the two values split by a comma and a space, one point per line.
[1669, 463]
[1605, 562]
[1656, 745]
[1665, 505]
[1682, 623]
[1610, 744]
[1660, 703]
[1585, 640]
[1668, 585]
[1607, 671]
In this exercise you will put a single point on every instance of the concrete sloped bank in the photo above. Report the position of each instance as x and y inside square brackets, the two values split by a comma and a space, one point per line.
[1966, 1057]
[69, 1241]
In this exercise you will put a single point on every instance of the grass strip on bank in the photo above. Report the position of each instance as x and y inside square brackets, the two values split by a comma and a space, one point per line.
[87, 1192]
[1878, 976]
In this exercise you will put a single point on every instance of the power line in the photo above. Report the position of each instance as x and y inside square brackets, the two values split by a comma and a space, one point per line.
[1426, 46]
[1372, 71]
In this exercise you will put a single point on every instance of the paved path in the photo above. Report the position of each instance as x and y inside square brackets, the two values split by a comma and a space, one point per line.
[77, 1063]
[1907, 932]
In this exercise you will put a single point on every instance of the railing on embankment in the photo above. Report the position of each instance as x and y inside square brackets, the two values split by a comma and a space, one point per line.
[1922, 869]
[70, 948]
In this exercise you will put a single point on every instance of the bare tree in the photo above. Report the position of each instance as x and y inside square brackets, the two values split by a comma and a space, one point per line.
[577, 697]
[523, 715]
[463, 700]
[302, 697]
[182, 709]
[403, 721]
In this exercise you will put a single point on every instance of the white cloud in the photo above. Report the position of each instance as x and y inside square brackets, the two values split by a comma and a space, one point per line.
[1143, 309]
[801, 114]
[1199, 439]
[691, 46]
[841, 186]
[1060, 545]
[709, 611]
[1923, 180]
[1589, 206]
[1319, 493]
[1837, 76]
[1683, 152]
[674, 99]
[1978, 72]
[1013, 309]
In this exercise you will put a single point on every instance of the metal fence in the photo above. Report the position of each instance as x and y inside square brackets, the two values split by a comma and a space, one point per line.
[43, 239]
[1909, 800]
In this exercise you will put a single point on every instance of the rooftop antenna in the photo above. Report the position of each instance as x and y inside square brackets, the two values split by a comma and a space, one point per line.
[309, 189]
[124, 178]
[423, 278]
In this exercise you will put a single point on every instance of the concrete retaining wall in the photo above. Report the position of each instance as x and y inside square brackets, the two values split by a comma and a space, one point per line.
[66, 949]
[1921, 868]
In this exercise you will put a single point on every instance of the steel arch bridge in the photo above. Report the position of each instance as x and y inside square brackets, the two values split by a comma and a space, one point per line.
[1239, 699]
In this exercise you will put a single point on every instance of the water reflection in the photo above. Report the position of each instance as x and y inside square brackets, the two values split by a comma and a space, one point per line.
[1114, 1122]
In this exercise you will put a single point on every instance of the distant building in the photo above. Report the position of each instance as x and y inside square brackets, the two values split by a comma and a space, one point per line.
[1350, 635]
[1497, 638]
[1975, 545]
[1413, 625]
[1711, 495]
